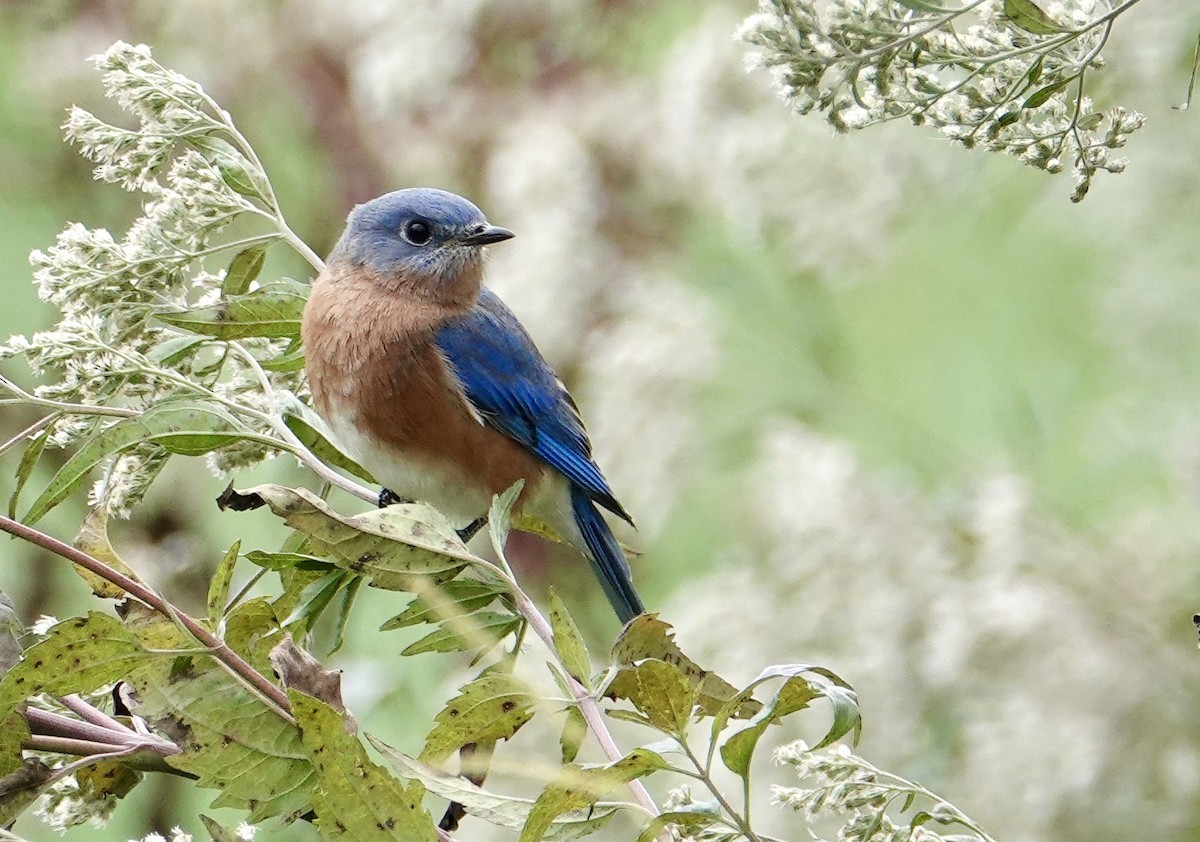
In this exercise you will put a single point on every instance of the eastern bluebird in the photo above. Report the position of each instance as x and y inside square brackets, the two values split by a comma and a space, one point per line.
[432, 384]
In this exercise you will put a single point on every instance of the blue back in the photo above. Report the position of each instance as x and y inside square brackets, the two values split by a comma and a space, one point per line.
[517, 393]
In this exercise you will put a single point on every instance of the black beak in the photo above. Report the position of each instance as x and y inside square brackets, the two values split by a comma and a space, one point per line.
[486, 235]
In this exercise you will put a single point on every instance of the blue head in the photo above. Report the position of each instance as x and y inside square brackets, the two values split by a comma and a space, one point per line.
[420, 238]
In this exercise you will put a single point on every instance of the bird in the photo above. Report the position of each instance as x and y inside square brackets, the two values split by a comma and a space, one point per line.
[428, 380]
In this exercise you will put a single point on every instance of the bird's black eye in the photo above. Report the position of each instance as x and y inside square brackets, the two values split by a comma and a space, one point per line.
[417, 231]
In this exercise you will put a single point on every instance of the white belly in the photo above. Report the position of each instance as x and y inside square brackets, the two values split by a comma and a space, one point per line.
[457, 496]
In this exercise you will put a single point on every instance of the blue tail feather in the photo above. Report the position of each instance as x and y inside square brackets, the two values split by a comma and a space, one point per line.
[606, 557]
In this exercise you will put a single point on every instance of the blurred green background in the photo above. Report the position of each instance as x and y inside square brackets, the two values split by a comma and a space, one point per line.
[877, 403]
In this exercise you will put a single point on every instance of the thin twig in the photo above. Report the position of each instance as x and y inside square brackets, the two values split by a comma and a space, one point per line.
[583, 698]
[93, 714]
[229, 659]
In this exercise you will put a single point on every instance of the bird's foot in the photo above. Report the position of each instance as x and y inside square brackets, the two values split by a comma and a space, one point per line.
[469, 531]
[387, 497]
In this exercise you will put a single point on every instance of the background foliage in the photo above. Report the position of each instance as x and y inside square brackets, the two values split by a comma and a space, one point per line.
[877, 403]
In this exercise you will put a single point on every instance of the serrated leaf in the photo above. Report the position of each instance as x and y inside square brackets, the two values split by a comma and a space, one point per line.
[738, 750]
[106, 779]
[183, 427]
[218, 588]
[1029, 16]
[574, 730]
[388, 546]
[272, 311]
[77, 656]
[355, 798]
[578, 787]
[231, 739]
[454, 598]
[243, 269]
[492, 707]
[568, 642]
[646, 636]
[664, 694]
[29, 460]
[93, 540]
[14, 730]
[252, 629]
[500, 810]
[314, 434]
[477, 632]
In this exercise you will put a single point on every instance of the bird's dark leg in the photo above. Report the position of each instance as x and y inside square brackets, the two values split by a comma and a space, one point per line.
[387, 497]
[468, 532]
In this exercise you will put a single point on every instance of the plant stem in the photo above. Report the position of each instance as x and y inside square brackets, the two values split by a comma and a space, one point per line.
[229, 659]
[742, 822]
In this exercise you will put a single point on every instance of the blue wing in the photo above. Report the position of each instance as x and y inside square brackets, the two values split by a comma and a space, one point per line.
[516, 392]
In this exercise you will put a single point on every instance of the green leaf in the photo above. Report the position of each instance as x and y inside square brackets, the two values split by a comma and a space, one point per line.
[499, 810]
[231, 739]
[574, 730]
[349, 594]
[1042, 95]
[664, 695]
[922, 6]
[175, 349]
[93, 540]
[356, 799]
[273, 310]
[237, 172]
[184, 427]
[568, 642]
[288, 561]
[78, 656]
[251, 629]
[218, 588]
[243, 269]
[388, 546]
[29, 460]
[492, 707]
[218, 831]
[316, 598]
[292, 359]
[455, 598]
[476, 632]
[689, 822]
[316, 436]
[738, 750]
[646, 636]
[814, 682]
[14, 730]
[500, 515]
[1029, 16]
[578, 787]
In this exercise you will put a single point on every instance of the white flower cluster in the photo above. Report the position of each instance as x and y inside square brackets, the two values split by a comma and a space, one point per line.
[987, 74]
[243, 832]
[107, 350]
[65, 805]
[844, 785]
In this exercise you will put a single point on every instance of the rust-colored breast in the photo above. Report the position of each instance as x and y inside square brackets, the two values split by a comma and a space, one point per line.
[372, 365]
